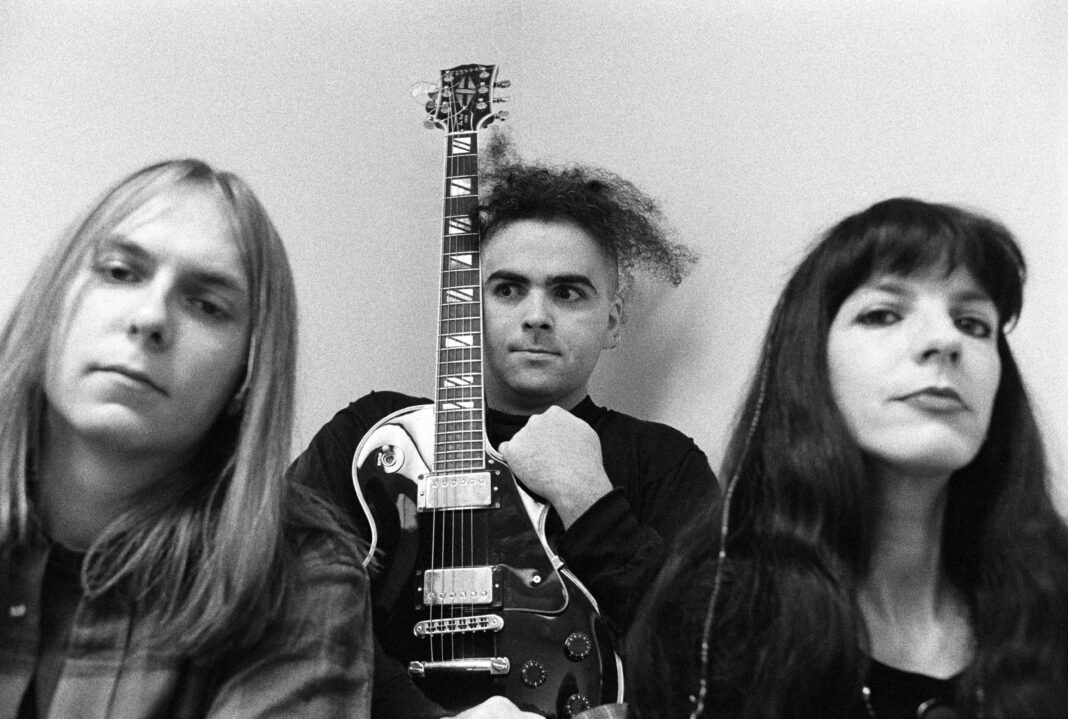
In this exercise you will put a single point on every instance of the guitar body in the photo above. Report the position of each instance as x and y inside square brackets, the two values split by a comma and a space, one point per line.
[526, 628]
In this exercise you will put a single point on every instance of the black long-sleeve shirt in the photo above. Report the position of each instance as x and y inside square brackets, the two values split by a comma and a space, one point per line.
[659, 477]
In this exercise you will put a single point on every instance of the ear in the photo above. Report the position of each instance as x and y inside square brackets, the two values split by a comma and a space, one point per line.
[615, 314]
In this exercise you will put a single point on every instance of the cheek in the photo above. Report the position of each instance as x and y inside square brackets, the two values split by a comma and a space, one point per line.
[988, 381]
[213, 365]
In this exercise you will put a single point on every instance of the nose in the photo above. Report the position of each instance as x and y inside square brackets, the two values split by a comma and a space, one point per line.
[939, 340]
[149, 321]
[537, 312]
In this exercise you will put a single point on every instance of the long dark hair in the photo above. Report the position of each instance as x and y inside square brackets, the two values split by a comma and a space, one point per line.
[800, 518]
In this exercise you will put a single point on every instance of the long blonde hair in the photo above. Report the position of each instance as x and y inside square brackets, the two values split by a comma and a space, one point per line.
[200, 563]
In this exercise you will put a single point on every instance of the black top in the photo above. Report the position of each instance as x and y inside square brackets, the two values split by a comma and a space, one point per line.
[897, 694]
[660, 479]
[62, 587]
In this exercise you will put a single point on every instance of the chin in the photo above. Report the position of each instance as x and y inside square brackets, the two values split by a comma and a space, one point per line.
[937, 453]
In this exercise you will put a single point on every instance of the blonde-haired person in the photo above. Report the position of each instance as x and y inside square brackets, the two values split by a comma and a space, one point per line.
[153, 561]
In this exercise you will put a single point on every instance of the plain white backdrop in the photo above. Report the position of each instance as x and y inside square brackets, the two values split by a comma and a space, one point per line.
[756, 123]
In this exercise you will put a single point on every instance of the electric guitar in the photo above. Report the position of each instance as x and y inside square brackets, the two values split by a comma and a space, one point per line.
[467, 589]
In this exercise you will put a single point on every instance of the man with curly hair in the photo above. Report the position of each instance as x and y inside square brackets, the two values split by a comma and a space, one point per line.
[559, 248]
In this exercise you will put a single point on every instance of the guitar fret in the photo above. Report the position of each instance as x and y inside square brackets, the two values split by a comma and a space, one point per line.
[461, 310]
[459, 261]
[461, 280]
[451, 355]
[458, 225]
[461, 166]
[467, 455]
[454, 417]
[459, 295]
[458, 393]
[462, 325]
[460, 380]
[461, 277]
[460, 243]
[473, 418]
[468, 438]
[458, 204]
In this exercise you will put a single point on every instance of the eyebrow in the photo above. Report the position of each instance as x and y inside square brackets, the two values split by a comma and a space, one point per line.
[214, 279]
[551, 280]
[896, 286]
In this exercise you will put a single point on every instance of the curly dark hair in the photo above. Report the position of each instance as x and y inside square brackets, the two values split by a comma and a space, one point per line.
[626, 222]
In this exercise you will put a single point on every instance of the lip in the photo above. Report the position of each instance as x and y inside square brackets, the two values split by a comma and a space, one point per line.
[136, 376]
[936, 399]
[533, 351]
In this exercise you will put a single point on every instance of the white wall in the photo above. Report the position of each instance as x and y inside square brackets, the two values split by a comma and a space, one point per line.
[757, 123]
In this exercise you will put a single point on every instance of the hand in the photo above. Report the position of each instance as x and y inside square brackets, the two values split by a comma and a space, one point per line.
[558, 456]
[496, 708]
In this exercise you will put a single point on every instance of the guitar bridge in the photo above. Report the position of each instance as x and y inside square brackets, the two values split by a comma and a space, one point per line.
[459, 625]
[494, 666]
[472, 490]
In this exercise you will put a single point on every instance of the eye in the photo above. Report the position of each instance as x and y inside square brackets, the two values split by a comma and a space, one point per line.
[506, 290]
[209, 308]
[569, 293]
[878, 317]
[973, 326]
[116, 271]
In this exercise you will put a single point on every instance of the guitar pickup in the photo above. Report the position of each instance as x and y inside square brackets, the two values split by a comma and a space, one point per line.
[459, 625]
[471, 490]
[493, 666]
[460, 585]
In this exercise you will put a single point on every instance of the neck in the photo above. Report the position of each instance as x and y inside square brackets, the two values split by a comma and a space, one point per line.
[83, 486]
[907, 546]
[526, 406]
[916, 620]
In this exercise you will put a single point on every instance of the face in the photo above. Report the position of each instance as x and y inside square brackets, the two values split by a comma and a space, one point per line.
[914, 368]
[155, 332]
[550, 306]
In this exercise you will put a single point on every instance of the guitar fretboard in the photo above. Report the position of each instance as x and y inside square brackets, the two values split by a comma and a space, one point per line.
[459, 397]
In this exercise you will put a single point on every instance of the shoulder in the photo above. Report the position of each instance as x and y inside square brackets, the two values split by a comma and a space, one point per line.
[628, 424]
[329, 558]
[372, 407]
[345, 429]
[645, 441]
[327, 589]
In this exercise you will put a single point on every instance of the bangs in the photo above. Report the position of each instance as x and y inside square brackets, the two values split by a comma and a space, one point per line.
[906, 237]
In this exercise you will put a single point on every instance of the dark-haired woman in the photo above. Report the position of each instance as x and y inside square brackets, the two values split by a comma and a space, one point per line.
[887, 547]
[153, 561]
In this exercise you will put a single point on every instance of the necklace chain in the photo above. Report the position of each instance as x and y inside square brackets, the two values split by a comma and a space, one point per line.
[921, 710]
[866, 693]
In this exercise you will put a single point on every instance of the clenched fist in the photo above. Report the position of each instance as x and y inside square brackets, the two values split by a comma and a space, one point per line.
[558, 456]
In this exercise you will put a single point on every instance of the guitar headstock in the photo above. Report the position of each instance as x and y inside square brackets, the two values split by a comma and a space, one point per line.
[463, 102]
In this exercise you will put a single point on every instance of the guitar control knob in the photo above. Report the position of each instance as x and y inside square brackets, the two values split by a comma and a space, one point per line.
[575, 703]
[578, 646]
[532, 673]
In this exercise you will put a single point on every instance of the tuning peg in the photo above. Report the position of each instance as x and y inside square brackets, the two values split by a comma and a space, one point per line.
[506, 98]
[503, 84]
[502, 115]
[429, 124]
[423, 91]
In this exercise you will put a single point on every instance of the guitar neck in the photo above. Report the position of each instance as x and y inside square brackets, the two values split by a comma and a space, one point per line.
[459, 399]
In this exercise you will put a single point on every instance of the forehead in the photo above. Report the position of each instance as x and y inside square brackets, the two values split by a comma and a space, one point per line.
[187, 225]
[958, 284]
[535, 248]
